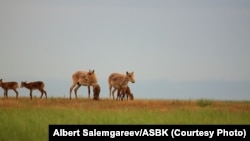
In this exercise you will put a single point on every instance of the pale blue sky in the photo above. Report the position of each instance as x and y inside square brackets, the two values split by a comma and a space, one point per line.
[177, 49]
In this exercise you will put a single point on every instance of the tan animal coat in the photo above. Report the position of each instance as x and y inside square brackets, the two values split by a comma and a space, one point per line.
[117, 81]
[83, 78]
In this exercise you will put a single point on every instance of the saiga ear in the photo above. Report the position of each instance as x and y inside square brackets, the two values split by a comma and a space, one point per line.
[92, 71]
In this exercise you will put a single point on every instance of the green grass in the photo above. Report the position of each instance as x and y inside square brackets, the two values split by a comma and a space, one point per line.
[28, 120]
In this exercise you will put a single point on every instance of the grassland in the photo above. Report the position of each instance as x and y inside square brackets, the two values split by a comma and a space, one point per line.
[27, 120]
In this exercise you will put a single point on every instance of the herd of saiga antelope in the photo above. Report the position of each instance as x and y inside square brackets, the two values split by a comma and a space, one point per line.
[117, 81]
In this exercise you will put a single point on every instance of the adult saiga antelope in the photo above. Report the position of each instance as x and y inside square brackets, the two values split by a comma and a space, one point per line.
[83, 78]
[7, 86]
[36, 85]
[119, 82]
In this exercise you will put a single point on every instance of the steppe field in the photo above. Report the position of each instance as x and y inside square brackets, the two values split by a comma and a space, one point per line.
[27, 120]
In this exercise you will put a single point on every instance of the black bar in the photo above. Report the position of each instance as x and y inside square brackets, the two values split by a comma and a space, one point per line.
[169, 132]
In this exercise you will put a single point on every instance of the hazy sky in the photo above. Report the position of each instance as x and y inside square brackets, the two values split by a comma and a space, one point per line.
[178, 49]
